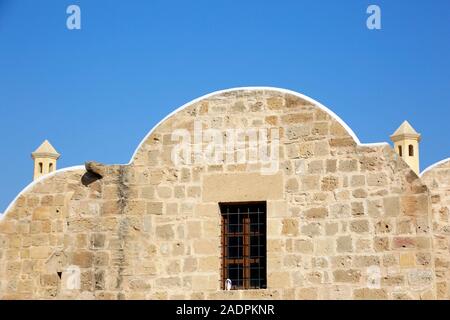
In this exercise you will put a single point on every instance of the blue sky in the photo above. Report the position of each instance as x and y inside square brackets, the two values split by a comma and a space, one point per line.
[96, 92]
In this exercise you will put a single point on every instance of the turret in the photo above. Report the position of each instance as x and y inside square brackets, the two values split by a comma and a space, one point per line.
[45, 158]
[406, 144]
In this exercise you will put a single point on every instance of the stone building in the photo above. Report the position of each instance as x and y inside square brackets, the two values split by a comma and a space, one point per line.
[251, 193]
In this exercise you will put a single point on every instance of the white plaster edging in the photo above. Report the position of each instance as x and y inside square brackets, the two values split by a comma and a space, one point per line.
[286, 91]
[35, 182]
[434, 166]
[302, 96]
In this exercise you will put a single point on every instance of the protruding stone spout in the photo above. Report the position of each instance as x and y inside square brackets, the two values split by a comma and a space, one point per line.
[96, 168]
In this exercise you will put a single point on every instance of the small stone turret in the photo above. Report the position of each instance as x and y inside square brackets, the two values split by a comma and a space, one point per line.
[406, 144]
[45, 159]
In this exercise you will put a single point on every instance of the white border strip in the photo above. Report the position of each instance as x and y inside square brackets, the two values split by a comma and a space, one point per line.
[286, 91]
[433, 166]
[302, 96]
[35, 182]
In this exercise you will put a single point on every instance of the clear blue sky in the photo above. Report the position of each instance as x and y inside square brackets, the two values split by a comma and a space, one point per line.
[96, 92]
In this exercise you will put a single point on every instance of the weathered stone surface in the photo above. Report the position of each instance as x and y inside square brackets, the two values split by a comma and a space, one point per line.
[359, 226]
[347, 275]
[155, 207]
[241, 187]
[370, 294]
[290, 227]
[96, 168]
[336, 211]
[344, 244]
[316, 213]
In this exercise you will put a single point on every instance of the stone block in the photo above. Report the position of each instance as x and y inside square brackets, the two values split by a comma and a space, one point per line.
[204, 283]
[277, 209]
[358, 209]
[316, 213]
[207, 247]
[330, 183]
[296, 118]
[381, 244]
[291, 185]
[358, 180]
[232, 187]
[155, 208]
[210, 210]
[348, 165]
[82, 259]
[420, 278]
[344, 244]
[370, 294]
[275, 103]
[391, 206]
[42, 213]
[377, 179]
[331, 228]
[165, 232]
[290, 227]
[331, 165]
[359, 193]
[279, 279]
[407, 260]
[359, 226]
[306, 294]
[347, 276]
[304, 246]
[311, 229]
[404, 243]
[310, 182]
[366, 261]
[209, 264]
[39, 252]
[414, 205]
[164, 192]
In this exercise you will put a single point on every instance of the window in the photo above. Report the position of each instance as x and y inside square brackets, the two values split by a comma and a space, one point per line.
[50, 167]
[41, 167]
[244, 245]
[411, 150]
[400, 153]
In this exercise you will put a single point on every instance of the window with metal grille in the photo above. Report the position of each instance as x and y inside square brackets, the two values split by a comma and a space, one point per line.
[244, 245]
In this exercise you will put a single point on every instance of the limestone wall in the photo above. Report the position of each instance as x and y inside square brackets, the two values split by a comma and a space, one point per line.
[345, 221]
[438, 181]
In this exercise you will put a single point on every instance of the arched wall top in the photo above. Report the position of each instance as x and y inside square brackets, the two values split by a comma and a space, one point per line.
[285, 91]
[437, 164]
[35, 182]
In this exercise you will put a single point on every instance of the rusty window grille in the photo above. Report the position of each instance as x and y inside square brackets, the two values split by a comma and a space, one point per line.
[244, 256]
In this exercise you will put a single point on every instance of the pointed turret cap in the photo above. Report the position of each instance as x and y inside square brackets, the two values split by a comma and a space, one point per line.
[45, 150]
[405, 131]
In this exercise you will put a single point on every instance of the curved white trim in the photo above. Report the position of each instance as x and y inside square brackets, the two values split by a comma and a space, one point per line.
[302, 96]
[286, 91]
[433, 166]
[35, 182]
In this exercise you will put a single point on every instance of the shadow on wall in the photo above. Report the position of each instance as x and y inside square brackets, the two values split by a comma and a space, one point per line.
[89, 178]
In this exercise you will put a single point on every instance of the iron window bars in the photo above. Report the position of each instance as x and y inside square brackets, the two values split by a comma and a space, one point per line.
[244, 257]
